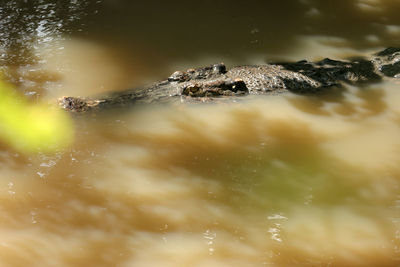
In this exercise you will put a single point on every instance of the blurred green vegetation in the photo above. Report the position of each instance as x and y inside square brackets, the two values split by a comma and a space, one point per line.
[31, 128]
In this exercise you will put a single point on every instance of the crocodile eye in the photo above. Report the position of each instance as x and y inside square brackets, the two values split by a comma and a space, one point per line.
[239, 85]
[219, 68]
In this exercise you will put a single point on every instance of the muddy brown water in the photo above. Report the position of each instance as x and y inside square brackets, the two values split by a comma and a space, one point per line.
[262, 181]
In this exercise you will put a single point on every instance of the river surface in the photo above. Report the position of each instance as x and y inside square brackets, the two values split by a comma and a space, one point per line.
[283, 180]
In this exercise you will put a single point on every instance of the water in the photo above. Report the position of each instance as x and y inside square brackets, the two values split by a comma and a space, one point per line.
[265, 181]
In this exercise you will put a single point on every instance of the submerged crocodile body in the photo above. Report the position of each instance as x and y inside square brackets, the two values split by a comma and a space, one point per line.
[217, 81]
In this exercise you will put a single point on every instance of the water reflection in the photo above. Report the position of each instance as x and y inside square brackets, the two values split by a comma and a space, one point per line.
[259, 185]
[276, 159]
[360, 103]
[243, 174]
[28, 24]
[27, 29]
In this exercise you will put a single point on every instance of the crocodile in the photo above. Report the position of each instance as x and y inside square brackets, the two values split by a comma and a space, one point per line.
[217, 81]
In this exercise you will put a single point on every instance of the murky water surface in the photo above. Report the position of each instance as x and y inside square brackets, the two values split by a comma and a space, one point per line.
[263, 181]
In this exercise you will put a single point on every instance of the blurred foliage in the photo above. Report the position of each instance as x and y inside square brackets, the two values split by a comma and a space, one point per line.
[31, 128]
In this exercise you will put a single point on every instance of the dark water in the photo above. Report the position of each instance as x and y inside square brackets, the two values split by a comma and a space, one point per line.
[268, 181]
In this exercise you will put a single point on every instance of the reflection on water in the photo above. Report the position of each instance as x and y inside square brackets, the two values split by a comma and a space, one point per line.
[28, 24]
[370, 102]
[29, 29]
[265, 183]
[275, 181]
